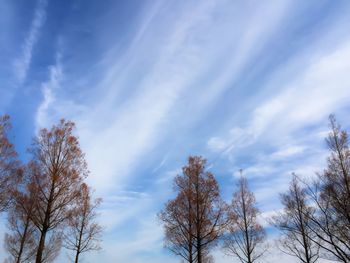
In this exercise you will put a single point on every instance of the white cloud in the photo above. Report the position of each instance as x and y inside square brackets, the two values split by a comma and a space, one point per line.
[139, 247]
[117, 209]
[21, 65]
[216, 144]
[259, 170]
[44, 112]
[318, 90]
[137, 123]
[288, 152]
[168, 176]
[236, 138]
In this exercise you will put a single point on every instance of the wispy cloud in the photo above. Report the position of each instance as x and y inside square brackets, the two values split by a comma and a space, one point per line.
[309, 97]
[49, 88]
[22, 64]
[182, 54]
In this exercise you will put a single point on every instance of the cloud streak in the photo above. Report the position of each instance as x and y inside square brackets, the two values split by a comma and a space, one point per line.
[44, 112]
[22, 64]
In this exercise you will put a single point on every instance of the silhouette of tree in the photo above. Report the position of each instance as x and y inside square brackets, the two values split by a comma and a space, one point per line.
[293, 222]
[331, 196]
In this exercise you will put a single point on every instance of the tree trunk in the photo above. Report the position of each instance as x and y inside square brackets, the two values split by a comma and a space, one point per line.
[41, 247]
[199, 251]
[246, 228]
[190, 252]
[76, 257]
[303, 231]
[22, 242]
[45, 228]
[198, 223]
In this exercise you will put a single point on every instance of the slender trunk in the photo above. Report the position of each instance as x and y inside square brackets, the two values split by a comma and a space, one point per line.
[79, 242]
[199, 245]
[41, 246]
[190, 221]
[76, 257]
[45, 227]
[23, 241]
[302, 228]
[199, 251]
[306, 246]
[190, 254]
[190, 248]
[246, 227]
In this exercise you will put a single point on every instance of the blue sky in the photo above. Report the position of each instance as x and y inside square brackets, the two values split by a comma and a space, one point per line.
[247, 84]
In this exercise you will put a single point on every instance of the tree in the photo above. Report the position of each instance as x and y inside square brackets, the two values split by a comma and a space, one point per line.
[58, 168]
[246, 237]
[195, 219]
[294, 221]
[21, 242]
[331, 196]
[178, 222]
[83, 233]
[10, 168]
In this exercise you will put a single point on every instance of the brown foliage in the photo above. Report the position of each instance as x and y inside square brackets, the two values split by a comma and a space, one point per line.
[22, 241]
[83, 233]
[195, 219]
[294, 221]
[57, 169]
[10, 168]
[245, 238]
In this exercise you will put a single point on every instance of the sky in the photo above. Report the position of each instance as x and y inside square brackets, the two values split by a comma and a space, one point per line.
[246, 84]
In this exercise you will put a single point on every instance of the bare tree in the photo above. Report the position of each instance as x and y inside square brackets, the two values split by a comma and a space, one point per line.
[246, 237]
[10, 168]
[83, 233]
[195, 219]
[293, 222]
[331, 196]
[57, 168]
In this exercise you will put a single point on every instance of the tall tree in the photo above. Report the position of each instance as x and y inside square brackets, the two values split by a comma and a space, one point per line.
[58, 167]
[83, 232]
[10, 168]
[195, 219]
[331, 196]
[294, 221]
[246, 237]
